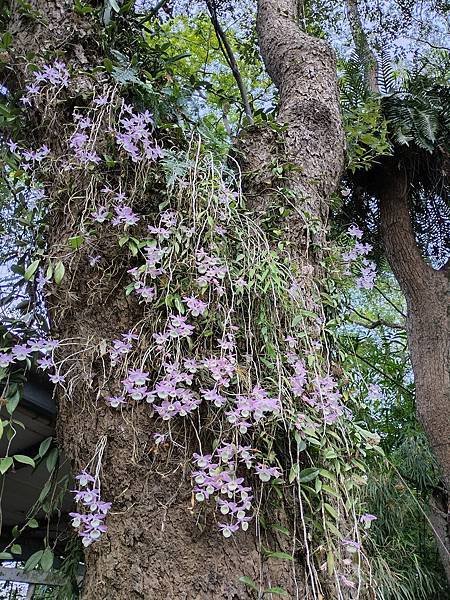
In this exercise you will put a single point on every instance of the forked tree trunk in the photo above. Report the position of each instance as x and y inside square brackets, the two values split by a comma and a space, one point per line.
[154, 548]
[428, 326]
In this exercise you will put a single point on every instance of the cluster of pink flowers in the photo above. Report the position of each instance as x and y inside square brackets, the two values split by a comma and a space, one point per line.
[55, 75]
[122, 346]
[135, 136]
[172, 390]
[27, 350]
[196, 306]
[177, 328]
[249, 410]
[80, 141]
[298, 380]
[29, 158]
[219, 480]
[211, 271]
[153, 269]
[123, 214]
[324, 396]
[89, 523]
[228, 341]
[168, 221]
[366, 279]
[216, 476]
[222, 369]
[177, 325]
[154, 256]
[172, 395]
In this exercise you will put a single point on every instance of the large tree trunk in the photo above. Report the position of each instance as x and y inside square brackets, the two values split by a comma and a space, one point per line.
[311, 149]
[153, 548]
[428, 325]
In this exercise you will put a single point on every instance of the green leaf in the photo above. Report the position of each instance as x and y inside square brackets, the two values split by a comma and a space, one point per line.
[178, 304]
[52, 459]
[301, 444]
[44, 446]
[26, 460]
[33, 561]
[308, 474]
[31, 270]
[109, 65]
[249, 582]
[32, 523]
[13, 401]
[330, 453]
[76, 242]
[16, 549]
[47, 559]
[5, 556]
[330, 562]
[82, 9]
[296, 320]
[59, 272]
[7, 39]
[293, 473]
[330, 510]
[280, 529]
[327, 474]
[329, 490]
[276, 590]
[5, 464]
[45, 490]
[332, 527]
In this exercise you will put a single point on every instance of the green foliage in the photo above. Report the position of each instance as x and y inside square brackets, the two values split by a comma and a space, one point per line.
[417, 106]
[406, 562]
[365, 125]
[405, 559]
[367, 135]
[413, 109]
[407, 124]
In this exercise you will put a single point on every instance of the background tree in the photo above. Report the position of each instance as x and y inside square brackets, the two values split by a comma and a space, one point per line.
[411, 185]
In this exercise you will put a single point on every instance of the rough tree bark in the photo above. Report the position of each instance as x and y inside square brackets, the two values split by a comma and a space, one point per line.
[428, 326]
[312, 146]
[153, 548]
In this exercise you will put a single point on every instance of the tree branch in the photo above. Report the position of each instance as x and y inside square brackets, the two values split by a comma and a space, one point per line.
[154, 11]
[412, 272]
[375, 368]
[394, 306]
[230, 58]
[374, 324]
